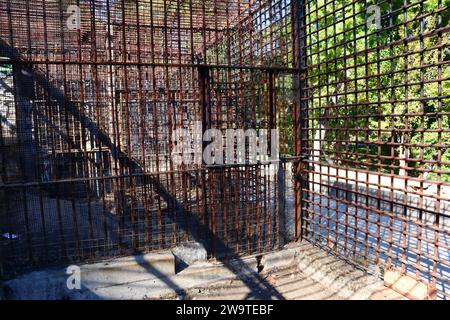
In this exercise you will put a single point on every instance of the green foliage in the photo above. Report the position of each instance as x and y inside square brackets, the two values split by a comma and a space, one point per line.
[5, 69]
[381, 84]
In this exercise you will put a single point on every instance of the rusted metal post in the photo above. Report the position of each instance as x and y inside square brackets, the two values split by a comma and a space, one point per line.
[300, 115]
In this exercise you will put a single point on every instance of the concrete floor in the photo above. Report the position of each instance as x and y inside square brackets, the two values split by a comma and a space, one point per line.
[298, 272]
[290, 282]
[312, 275]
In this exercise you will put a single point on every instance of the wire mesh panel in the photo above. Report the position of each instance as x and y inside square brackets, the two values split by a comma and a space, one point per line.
[92, 94]
[376, 134]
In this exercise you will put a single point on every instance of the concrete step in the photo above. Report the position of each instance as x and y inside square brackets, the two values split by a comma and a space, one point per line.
[129, 269]
[341, 277]
[52, 284]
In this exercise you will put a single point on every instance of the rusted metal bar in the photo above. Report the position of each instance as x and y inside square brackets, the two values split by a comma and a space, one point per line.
[377, 135]
[361, 113]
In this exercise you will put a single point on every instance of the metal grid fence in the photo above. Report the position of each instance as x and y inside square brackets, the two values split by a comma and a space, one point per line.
[376, 134]
[88, 110]
[359, 91]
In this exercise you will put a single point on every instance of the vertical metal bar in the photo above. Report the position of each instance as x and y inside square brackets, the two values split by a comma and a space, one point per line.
[438, 208]
[391, 194]
[300, 110]
[27, 226]
[205, 113]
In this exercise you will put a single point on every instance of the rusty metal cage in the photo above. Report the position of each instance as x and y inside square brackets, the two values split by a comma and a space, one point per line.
[92, 92]
[375, 133]
[89, 108]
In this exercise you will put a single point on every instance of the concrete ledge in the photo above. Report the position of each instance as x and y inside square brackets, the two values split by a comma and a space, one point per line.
[38, 285]
[278, 259]
[51, 284]
[408, 286]
[199, 274]
[190, 253]
[150, 276]
[128, 269]
[336, 274]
